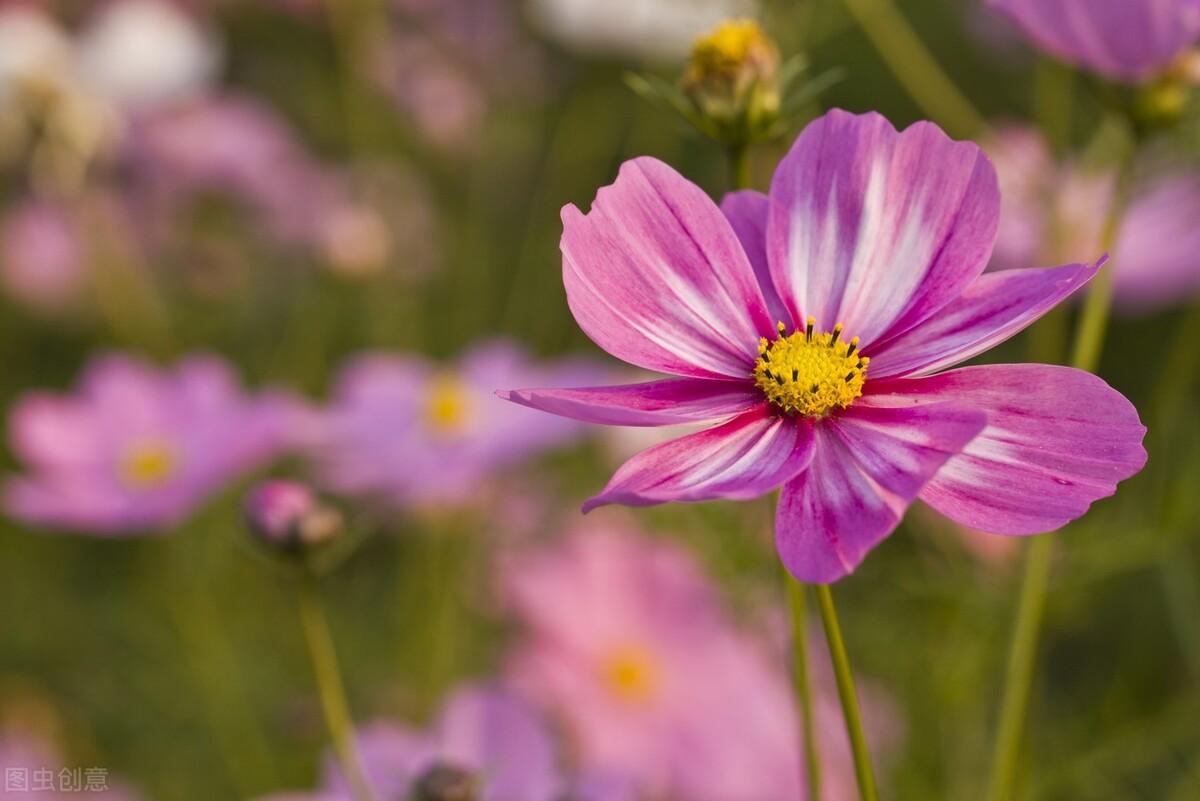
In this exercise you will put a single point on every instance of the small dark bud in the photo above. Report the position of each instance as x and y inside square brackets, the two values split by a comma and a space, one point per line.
[288, 515]
[444, 782]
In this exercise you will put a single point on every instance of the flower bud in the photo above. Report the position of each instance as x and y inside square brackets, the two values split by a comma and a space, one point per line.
[445, 782]
[1164, 101]
[733, 78]
[289, 516]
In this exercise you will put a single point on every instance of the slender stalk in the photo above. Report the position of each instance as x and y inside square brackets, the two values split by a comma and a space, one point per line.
[846, 694]
[1052, 100]
[1019, 671]
[803, 687]
[212, 659]
[329, 685]
[1089, 341]
[1180, 583]
[739, 166]
[915, 67]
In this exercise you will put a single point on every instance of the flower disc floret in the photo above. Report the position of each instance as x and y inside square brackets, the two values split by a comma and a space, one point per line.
[808, 373]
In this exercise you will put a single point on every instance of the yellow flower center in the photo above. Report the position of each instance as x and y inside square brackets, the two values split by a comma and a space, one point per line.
[631, 674]
[810, 374]
[448, 404]
[148, 464]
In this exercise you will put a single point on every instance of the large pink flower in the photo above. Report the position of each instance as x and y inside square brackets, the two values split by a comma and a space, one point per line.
[1126, 40]
[813, 322]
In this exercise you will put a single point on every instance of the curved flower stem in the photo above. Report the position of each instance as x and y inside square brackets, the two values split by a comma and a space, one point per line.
[1089, 341]
[915, 67]
[803, 686]
[846, 694]
[329, 685]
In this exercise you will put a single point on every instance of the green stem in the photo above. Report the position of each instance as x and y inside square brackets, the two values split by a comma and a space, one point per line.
[214, 665]
[803, 687]
[739, 166]
[1052, 84]
[330, 687]
[915, 67]
[1019, 671]
[1089, 341]
[846, 694]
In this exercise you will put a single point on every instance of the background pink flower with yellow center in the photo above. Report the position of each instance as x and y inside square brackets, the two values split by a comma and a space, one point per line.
[137, 449]
[628, 642]
[406, 431]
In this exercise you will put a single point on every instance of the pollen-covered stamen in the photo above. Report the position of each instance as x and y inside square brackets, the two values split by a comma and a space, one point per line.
[810, 373]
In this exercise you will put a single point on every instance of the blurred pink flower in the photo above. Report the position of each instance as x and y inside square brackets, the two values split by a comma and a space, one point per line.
[442, 62]
[43, 260]
[137, 449]
[407, 432]
[485, 734]
[627, 642]
[31, 769]
[755, 310]
[235, 145]
[1050, 210]
[1126, 40]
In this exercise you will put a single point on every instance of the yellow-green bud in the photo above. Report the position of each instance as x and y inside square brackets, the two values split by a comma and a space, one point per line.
[732, 77]
[1163, 101]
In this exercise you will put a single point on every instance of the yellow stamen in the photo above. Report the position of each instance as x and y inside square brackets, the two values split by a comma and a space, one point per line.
[809, 373]
[148, 464]
[448, 405]
[631, 674]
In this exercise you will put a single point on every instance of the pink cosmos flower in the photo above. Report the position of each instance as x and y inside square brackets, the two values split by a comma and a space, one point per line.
[486, 737]
[1126, 40]
[405, 431]
[236, 146]
[135, 448]
[814, 322]
[1061, 208]
[41, 255]
[629, 644]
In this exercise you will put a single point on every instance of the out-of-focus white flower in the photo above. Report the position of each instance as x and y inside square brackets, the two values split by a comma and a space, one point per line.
[651, 29]
[146, 52]
[33, 48]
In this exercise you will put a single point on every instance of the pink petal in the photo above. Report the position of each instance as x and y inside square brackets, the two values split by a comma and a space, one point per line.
[747, 213]
[742, 459]
[656, 277]
[870, 464]
[653, 403]
[877, 229]
[1123, 39]
[993, 308]
[1057, 439]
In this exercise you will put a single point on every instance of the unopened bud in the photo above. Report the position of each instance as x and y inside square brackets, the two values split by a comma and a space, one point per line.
[445, 782]
[1162, 102]
[288, 515]
[733, 76]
